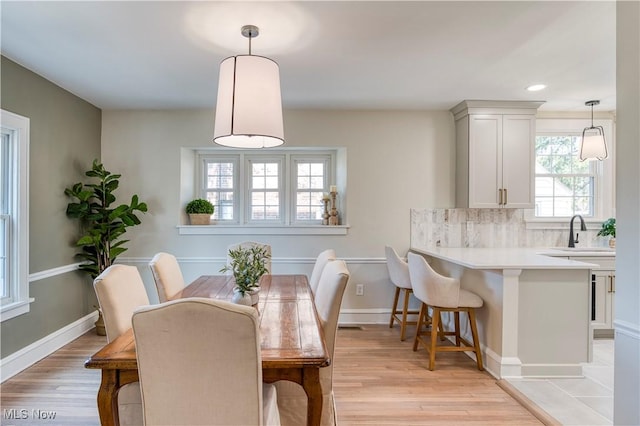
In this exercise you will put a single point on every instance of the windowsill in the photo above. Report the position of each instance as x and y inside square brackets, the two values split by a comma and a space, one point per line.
[262, 230]
[15, 309]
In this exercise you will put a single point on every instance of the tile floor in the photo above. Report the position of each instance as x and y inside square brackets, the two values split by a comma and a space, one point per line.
[586, 401]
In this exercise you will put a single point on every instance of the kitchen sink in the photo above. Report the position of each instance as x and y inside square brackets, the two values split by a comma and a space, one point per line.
[589, 249]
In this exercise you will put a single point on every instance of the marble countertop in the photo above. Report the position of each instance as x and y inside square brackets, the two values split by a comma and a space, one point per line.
[509, 258]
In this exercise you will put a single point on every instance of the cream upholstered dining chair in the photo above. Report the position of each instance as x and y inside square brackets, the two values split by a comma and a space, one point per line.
[120, 291]
[321, 261]
[292, 400]
[399, 275]
[199, 363]
[443, 294]
[250, 244]
[167, 275]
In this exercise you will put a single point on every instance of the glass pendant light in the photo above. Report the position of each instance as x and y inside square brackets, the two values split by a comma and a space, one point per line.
[593, 145]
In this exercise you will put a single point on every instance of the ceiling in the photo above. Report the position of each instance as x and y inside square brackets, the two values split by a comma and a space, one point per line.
[338, 55]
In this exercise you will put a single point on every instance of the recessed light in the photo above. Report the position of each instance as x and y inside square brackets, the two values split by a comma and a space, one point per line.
[536, 87]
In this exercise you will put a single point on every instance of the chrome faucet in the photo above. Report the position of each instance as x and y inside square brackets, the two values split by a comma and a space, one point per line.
[583, 227]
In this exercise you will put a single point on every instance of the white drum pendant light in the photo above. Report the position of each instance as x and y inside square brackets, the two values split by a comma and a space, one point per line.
[249, 108]
[593, 146]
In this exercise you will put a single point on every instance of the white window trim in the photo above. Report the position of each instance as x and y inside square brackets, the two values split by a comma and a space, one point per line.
[18, 127]
[604, 202]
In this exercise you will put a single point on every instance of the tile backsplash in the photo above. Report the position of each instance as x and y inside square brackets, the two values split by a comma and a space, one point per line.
[488, 228]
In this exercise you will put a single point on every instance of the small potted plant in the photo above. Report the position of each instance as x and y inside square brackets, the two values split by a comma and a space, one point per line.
[609, 229]
[199, 211]
[247, 266]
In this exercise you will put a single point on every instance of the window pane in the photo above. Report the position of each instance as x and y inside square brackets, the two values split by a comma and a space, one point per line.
[317, 169]
[272, 169]
[257, 198]
[317, 182]
[544, 186]
[303, 182]
[271, 182]
[258, 182]
[304, 169]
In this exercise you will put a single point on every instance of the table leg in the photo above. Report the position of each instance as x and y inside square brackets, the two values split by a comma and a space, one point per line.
[108, 398]
[311, 385]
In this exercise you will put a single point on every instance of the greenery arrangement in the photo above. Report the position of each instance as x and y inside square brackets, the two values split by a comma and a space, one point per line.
[102, 225]
[247, 266]
[199, 206]
[608, 228]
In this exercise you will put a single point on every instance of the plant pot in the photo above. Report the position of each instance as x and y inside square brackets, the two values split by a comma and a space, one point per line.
[200, 218]
[241, 299]
[100, 329]
[612, 243]
[255, 295]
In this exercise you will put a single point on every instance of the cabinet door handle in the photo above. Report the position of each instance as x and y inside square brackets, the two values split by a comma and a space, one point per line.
[505, 196]
[500, 193]
[613, 283]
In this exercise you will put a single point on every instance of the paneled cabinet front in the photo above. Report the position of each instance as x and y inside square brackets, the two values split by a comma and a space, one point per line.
[495, 156]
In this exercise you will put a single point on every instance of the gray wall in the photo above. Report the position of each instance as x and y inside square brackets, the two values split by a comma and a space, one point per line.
[627, 313]
[65, 138]
[396, 160]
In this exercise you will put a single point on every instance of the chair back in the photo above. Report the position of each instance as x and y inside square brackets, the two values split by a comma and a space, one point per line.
[431, 287]
[120, 291]
[199, 363]
[167, 275]
[321, 261]
[251, 244]
[398, 269]
[328, 299]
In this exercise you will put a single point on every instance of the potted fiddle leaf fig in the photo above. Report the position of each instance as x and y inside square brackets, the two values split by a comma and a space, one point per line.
[199, 211]
[102, 222]
[608, 229]
[247, 266]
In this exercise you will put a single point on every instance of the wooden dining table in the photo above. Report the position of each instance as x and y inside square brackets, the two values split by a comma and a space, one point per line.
[292, 341]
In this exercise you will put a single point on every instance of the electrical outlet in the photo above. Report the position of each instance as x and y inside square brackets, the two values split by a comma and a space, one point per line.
[360, 290]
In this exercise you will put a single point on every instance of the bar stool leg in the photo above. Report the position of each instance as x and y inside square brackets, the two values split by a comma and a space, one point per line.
[476, 341]
[456, 316]
[435, 322]
[403, 325]
[394, 307]
[421, 317]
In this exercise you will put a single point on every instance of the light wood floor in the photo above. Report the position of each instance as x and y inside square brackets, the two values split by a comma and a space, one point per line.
[378, 380]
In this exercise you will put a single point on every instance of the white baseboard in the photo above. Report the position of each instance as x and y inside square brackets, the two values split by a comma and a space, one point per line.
[29, 355]
[364, 316]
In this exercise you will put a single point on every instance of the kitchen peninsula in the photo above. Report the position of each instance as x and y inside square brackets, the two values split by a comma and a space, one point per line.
[535, 318]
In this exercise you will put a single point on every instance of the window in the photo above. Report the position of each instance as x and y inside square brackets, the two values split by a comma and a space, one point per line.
[564, 185]
[276, 187]
[310, 182]
[221, 185]
[265, 190]
[14, 151]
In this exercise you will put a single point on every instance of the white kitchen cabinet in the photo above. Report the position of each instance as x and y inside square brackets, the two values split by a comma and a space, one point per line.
[495, 154]
[603, 289]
